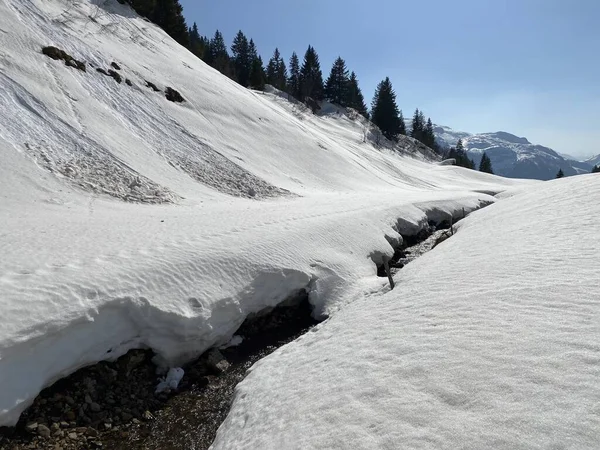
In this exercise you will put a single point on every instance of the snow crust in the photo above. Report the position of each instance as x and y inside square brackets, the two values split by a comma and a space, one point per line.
[491, 340]
[128, 221]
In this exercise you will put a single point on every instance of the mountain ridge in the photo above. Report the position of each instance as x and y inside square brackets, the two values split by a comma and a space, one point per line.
[512, 156]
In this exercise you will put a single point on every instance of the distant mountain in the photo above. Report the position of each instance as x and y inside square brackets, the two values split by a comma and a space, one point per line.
[593, 161]
[513, 156]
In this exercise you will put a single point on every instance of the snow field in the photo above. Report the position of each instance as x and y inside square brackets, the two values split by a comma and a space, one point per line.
[488, 341]
[86, 276]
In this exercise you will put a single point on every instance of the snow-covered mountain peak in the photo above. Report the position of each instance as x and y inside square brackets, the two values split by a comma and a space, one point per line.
[507, 137]
[512, 156]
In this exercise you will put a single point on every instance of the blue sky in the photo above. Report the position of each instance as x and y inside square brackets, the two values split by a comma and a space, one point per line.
[529, 67]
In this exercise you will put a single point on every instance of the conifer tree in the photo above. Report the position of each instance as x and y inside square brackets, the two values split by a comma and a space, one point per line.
[337, 85]
[384, 111]
[218, 57]
[197, 42]
[294, 78]
[560, 173]
[144, 8]
[459, 154]
[486, 164]
[242, 60]
[257, 74]
[596, 169]
[418, 125]
[168, 14]
[402, 129]
[276, 71]
[311, 77]
[428, 135]
[355, 97]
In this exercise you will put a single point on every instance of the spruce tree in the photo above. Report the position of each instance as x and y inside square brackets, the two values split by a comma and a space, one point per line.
[218, 56]
[168, 14]
[311, 77]
[486, 164]
[596, 169]
[293, 82]
[242, 60]
[418, 125]
[384, 111]
[197, 43]
[459, 154]
[402, 129]
[144, 8]
[276, 71]
[257, 74]
[337, 85]
[355, 97]
[428, 135]
[560, 173]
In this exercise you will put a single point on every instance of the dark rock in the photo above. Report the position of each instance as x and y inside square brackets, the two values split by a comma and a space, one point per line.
[152, 86]
[115, 75]
[216, 361]
[173, 96]
[43, 430]
[95, 407]
[115, 66]
[110, 73]
[58, 54]
[128, 82]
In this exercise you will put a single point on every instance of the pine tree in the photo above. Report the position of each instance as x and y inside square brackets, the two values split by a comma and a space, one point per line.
[337, 85]
[384, 111]
[402, 129]
[560, 173]
[418, 125]
[486, 164]
[311, 77]
[197, 43]
[218, 56]
[459, 154]
[168, 14]
[294, 78]
[355, 97]
[144, 8]
[428, 135]
[257, 74]
[242, 60]
[596, 169]
[276, 71]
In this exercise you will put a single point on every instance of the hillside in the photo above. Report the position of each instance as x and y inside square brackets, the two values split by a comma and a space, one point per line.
[132, 221]
[513, 156]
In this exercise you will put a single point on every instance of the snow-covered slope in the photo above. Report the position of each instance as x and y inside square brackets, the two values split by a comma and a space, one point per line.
[513, 156]
[491, 340]
[132, 221]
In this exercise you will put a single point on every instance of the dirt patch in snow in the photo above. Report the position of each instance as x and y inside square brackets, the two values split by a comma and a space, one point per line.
[113, 405]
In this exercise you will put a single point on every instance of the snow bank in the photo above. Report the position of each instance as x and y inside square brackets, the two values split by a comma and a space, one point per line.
[130, 221]
[491, 340]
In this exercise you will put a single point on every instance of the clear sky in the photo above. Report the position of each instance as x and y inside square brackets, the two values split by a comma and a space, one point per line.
[529, 67]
